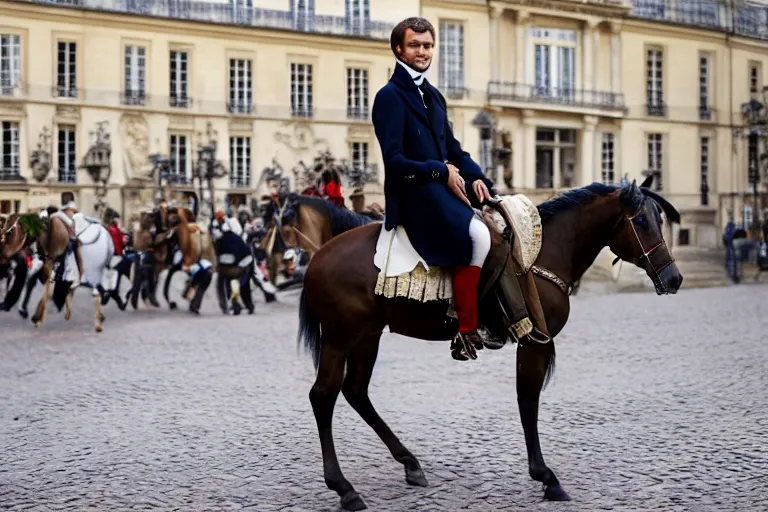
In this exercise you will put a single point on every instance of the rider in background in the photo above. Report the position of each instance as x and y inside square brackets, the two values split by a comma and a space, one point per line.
[332, 187]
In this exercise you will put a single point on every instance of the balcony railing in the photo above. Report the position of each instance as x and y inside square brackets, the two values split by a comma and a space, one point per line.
[357, 113]
[226, 13]
[554, 96]
[301, 112]
[243, 181]
[67, 176]
[134, 98]
[735, 17]
[10, 173]
[656, 109]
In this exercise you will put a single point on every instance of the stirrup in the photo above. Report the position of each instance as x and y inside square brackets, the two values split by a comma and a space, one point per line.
[462, 349]
[538, 336]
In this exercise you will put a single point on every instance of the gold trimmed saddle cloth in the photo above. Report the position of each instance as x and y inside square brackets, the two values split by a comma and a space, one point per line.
[403, 273]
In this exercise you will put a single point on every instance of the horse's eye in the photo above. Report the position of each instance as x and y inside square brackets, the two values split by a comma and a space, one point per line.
[640, 220]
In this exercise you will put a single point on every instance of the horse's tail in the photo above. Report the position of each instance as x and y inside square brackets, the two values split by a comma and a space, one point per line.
[309, 329]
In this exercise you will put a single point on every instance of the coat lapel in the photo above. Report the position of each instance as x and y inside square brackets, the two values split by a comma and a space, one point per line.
[410, 92]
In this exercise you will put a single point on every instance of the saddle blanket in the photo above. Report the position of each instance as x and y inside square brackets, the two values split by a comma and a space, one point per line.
[404, 273]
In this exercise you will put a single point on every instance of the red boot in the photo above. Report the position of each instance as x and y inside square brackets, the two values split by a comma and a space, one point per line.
[468, 341]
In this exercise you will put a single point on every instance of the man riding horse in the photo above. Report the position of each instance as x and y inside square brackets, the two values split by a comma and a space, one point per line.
[431, 183]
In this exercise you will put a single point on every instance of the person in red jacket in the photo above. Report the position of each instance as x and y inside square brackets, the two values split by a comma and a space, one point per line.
[117, 236]
[332, 187]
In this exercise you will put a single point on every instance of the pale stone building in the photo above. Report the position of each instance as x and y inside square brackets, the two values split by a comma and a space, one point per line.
[545, 94]
[276, 81]
[577, 92]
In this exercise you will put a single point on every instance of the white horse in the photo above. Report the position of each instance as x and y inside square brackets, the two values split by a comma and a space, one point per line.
[97, 249]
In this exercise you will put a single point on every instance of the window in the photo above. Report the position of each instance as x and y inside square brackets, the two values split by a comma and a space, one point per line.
[9, 151]
[704, 169]
[66, 154]
[357, 14]
[357, 93]
[178, 86]
[178, 147]
[608, 164]
[66, 69]
[135, 75]
[655, 156]
[360, 155]
[301, 90]
[704, 77]
[240, 89]
[555, 63]
[10, 63]
[7, 207]
[242, 11]
[684, 237]
[754, 77]
[753, 159]
[654, 82]
[555, 157]
[303, 14]
[240, 161]
[452, 58]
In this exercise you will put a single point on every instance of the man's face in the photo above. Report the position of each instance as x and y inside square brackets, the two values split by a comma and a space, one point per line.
[417, 50]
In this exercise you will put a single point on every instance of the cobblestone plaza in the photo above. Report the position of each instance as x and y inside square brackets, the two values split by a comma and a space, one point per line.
[658, 403]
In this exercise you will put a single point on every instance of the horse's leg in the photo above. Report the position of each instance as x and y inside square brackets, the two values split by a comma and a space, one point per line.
[355, 388]
[19, 279]
[330, 374]
[221, 293]
[68, 304]
[30, 285]
[167, 285]
[233, 285]
[247, 293]
[534, 363]
[99, 316]
[46, 273]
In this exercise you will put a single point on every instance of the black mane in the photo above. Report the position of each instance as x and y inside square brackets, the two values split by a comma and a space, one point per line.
[573, 198]
[341, 219]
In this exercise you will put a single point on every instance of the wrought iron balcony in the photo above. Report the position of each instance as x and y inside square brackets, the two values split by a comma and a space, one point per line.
[302, 112]
[240, 181]
[10, 174]
[357, 113]
[736, 17]
[509, 91]
[226, 13]
[134, 97]
[67, 176]
[179, 101]
[656, 109]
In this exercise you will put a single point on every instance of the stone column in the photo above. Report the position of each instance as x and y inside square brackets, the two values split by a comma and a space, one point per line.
[522, 38]
[597, 171]
[529, 149]
[496, 13]
[587, 152]
[588, 57]
[615, 57]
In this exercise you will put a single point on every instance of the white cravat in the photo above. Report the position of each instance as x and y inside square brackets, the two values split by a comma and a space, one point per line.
[417, 77]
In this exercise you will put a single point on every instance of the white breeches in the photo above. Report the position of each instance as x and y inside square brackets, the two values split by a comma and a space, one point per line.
[481, 242]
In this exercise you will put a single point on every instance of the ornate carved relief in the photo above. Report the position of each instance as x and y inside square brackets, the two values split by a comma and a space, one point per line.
[359, 132]
[134, 132]
[40, 159]
[12, 110]
[70, 113]
[300, 137]
[240, 125]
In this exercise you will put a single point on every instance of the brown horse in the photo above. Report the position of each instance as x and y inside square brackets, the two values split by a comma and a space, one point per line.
[341, 319]
[52, 244]
[14, 242]
[310, 222]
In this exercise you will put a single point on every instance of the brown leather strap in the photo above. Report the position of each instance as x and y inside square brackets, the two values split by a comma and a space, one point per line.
[551, 277]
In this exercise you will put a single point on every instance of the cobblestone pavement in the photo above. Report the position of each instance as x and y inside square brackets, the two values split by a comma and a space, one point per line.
[658, 403]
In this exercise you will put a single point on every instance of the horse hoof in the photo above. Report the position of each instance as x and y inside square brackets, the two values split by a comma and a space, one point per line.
[173, 305]
[251, 311]
[555, 493]
[37, 324]
[416, 477]
[99, 328]
[23, 313]
[352, 501]
[4, 306]
[67, 316]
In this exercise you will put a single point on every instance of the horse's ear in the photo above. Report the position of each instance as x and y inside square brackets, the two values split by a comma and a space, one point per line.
[647, 182]
[670, 211]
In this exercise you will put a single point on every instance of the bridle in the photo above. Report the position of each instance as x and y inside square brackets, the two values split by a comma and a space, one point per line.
[646, 260]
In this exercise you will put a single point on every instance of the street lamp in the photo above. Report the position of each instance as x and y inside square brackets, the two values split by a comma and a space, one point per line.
[755, 122]
[97, 161]
[207, 168]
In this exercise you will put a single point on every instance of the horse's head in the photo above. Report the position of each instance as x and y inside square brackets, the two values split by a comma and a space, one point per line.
[638, 237]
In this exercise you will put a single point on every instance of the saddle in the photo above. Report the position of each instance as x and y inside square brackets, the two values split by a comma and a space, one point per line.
[506, 286]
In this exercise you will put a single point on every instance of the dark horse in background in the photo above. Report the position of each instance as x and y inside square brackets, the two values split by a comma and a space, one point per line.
[341, 319]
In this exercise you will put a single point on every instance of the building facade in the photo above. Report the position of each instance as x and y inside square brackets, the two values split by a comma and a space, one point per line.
[553, 94]
[161, 77]
[545, 94]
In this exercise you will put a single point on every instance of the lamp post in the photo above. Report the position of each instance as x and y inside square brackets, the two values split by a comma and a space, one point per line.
[207, 168]
[755, 127]
[97, 161]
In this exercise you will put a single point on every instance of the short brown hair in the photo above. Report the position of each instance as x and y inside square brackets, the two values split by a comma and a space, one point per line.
[418, 25]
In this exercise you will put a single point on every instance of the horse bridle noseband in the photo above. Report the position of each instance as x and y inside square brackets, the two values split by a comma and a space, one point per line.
[645, 261]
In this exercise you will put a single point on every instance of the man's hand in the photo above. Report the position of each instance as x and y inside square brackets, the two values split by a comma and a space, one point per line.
[481, 191]
[456, 183]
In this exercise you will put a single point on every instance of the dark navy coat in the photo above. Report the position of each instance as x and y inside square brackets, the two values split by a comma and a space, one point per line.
[415, 143]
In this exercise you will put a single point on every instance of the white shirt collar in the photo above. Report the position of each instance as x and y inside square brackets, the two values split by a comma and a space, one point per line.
[417, 76]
